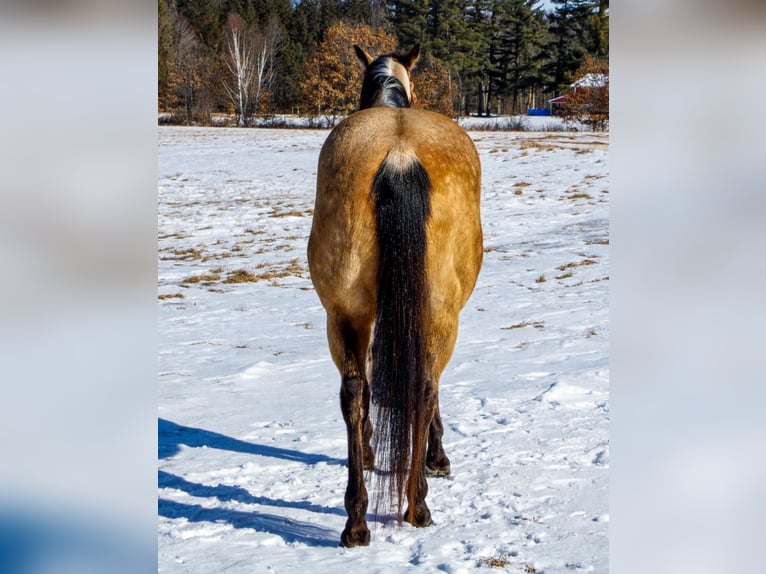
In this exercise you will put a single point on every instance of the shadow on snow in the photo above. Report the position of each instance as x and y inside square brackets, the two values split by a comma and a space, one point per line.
[171, 436]
[287, 529]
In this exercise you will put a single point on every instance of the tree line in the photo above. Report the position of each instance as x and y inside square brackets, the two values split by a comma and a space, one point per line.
[258, 57]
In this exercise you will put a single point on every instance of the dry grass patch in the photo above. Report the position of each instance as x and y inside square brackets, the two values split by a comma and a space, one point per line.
[241, 276]
[181, 254]
[291, 213]
[583, 263]
[177, 235]
[536, 143]
[577, 195]
[207, 279]
[495, 561]
[165, 296]
[535, 324]
[269, 272]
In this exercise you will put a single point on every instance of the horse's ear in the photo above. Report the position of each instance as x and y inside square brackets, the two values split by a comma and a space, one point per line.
[363, 56]
[411, 58]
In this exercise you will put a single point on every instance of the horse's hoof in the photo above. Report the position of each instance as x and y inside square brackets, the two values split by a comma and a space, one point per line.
[355, 537]
[438, 471]
[421, 517]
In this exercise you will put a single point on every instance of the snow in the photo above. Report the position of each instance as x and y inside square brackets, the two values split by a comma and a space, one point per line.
[252, 444]
[523, 123]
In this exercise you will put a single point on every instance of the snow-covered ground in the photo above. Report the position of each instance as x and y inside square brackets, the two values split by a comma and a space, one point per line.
[519, 123]
[251, 439]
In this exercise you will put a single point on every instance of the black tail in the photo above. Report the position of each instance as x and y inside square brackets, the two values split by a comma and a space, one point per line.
[401, 191]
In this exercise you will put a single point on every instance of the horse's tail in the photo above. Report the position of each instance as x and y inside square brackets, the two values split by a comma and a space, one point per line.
[401, 191]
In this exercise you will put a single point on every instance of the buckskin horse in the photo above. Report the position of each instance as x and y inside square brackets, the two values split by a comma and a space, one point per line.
[394, 253]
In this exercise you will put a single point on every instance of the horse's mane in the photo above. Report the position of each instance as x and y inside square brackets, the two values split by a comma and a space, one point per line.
[381, 88]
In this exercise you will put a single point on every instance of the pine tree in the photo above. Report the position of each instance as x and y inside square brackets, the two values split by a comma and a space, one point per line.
[516, 41]
[206, 20]
[456, 34]
[330, 13]
[568, 26]
[597, 30]
[408, 18]
[370, 12]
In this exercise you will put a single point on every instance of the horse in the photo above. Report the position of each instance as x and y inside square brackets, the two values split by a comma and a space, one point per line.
[394, 253]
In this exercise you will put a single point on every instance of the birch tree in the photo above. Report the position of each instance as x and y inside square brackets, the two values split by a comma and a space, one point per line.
[241, 63]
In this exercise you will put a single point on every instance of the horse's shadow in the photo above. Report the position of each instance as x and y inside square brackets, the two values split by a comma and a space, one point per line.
[171, 436]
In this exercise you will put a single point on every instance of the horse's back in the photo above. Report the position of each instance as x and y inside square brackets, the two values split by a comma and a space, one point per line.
[343, 244]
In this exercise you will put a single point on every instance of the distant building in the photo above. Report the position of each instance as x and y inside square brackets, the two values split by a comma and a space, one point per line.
[587, 82]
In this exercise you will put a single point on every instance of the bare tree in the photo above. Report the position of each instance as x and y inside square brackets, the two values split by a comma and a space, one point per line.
[241, 62]
[186, 71]
[267, 43]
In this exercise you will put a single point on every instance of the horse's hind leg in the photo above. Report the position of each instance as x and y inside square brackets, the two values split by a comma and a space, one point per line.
[354, 402]
[445, 332]
[418, 513]
[437, 463]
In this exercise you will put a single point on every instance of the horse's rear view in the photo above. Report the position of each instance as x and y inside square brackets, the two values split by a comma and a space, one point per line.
[394, 253]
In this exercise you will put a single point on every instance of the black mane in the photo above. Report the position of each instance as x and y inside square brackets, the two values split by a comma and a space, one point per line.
[379, 88]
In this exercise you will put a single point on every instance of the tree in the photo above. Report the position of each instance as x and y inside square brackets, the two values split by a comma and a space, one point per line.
[371, 12]
[517, 40]
[186, 72]
[566, 50]
[267, 45]
[587, 101]
[597, 30]
[508, 51]
[454, 41]
[242, 66]
[205, 19]
[408, 18]
[433, 89]
[250, 61]
[333, 75]
[164, 52]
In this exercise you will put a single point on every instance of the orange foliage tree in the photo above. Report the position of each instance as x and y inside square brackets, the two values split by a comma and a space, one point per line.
[588, 100]
[433, 89]
[333, 75]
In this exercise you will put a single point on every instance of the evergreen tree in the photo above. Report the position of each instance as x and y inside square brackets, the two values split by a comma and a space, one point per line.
[330, 13]
[301, 36]
[456, 34]
[370, 12]
[489, 49]
[206, 20]
[566, 51]
[408, 18]
[597, 28]
[516, 42]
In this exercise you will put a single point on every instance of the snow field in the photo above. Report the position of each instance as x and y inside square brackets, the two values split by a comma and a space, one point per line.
[252, 444]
